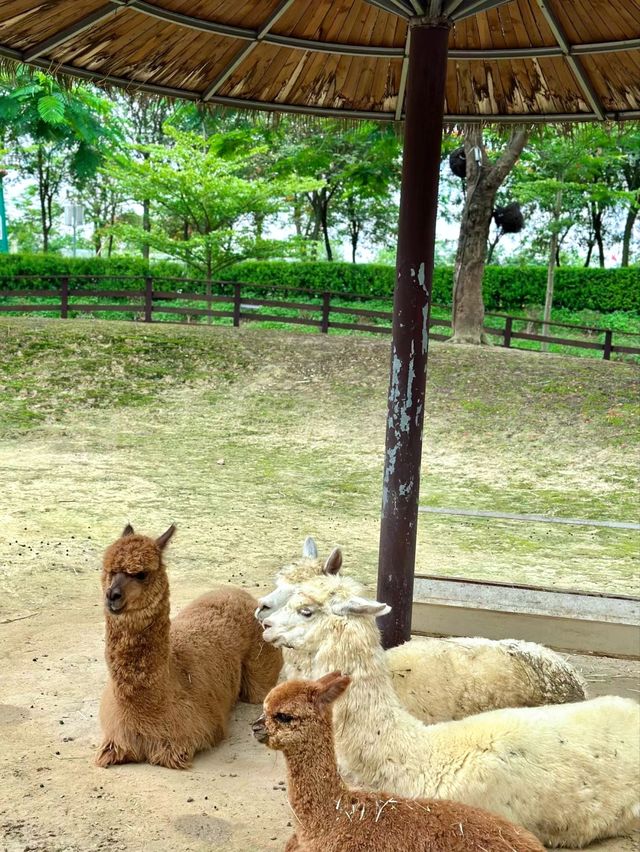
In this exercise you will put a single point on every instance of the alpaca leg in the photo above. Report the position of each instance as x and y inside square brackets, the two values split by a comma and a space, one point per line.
[164, 754]
[111, 754]
[260, 670]
[293, 844]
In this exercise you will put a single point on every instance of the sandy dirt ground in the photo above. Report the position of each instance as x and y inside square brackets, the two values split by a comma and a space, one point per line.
[52, 797]
[300, 436]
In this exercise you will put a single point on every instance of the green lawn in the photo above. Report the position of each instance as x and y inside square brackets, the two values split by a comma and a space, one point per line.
[252, 438]
[625, 325]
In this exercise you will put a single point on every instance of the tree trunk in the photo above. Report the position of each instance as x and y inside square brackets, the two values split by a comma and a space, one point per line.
[146, 220]
[42, 195]
[208, 284]
[492, 247]
[325, 229]
[483, 182]
[590, 245]
[551, 265]
[258, 221]
[468, 306]
[628, 233]
[146, 226]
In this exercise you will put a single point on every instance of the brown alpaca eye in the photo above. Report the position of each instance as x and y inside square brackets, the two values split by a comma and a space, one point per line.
[141, 575]
[284, 718]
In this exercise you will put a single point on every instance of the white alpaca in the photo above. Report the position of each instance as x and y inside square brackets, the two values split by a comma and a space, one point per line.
[438, 679]
[568, 773]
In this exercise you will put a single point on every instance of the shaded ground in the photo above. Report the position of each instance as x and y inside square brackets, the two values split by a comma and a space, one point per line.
[52, 798]
[250, 441]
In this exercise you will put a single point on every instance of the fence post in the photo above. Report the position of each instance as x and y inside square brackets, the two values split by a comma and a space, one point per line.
[508, 328]
[236, 305]
[326, 307]
[148, 298]
[64, 297]
[608, 341]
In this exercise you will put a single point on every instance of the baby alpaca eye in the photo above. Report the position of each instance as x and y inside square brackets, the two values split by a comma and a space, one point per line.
[305, 611]
[284, 718]
[141, 575]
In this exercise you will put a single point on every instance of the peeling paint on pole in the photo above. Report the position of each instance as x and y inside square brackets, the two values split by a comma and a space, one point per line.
[412, 305]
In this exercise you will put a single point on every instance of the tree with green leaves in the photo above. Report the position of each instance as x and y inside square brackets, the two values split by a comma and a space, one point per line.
[56, 135]
[567, 178]
[203, 199]
[355, 172]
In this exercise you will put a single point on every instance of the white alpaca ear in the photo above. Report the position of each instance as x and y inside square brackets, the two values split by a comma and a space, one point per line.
[309, 548]
[334, 562]
[164, 539]
[360, 606]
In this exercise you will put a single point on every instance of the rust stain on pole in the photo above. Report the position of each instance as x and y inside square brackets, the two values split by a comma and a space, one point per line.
[412, 305]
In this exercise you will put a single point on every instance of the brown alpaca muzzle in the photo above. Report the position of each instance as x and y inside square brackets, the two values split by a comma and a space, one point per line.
[260, 730]
[114, 600]
[115, 597]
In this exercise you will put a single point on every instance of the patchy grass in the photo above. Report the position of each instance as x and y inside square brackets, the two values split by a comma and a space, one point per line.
[252, 438]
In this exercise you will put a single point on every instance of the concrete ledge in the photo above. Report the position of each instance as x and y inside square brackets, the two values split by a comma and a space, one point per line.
[569, 621]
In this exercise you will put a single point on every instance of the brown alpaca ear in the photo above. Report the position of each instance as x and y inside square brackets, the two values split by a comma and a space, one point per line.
[128, 530]
[330, 687]
[334, 562]
[164, 539]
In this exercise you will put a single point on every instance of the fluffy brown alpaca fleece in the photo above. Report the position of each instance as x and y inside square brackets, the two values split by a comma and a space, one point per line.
[333, 818]
[173, 684]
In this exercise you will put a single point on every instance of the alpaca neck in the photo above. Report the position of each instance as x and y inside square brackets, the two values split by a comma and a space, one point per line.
[367, 718]
[314, 785]
[354, 648]
[137, 653]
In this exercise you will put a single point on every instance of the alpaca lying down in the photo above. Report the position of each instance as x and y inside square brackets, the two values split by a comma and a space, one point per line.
[439, 679]
[568, 773]
[173, 684]
[332, 818]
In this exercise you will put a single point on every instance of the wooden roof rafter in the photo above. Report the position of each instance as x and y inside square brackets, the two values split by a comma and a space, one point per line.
[339, 48]
[574, 62]
[244, 103]
[85, 23]
[244, 52]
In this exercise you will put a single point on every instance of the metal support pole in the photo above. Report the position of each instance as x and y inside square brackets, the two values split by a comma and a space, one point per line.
[424, 108]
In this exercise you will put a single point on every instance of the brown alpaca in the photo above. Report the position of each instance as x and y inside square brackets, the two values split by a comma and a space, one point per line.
[333, 818]
[172, 684]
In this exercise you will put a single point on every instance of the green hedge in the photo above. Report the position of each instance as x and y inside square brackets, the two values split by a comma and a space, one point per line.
[43, 265]
[505, 287]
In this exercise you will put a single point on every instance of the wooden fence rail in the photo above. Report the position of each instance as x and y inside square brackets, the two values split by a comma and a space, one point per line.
[239, 303]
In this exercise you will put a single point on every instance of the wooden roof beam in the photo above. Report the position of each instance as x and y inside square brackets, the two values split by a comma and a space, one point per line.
[110, 8]
[466, 8]
[573, 61]
[242, 103]
[242, 54]
[403, 77]
[394, 7]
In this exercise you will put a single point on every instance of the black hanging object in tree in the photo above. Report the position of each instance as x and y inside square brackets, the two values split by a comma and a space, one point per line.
[458, 162]
[509, 218]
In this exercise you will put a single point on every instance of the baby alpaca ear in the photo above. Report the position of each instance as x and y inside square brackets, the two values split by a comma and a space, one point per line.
[164, 539]
[360, 606]
[329, 688]
[309, 548]
[128, 530]
[334, 562]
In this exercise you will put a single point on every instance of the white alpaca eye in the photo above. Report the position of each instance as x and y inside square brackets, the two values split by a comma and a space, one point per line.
[305, 611]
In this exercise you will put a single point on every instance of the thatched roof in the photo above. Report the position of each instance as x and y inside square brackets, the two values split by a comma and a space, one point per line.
[509, 60]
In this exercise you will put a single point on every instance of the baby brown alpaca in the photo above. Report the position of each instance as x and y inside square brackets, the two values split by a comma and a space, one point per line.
[173, 684]
[333, 818]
